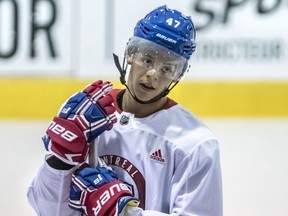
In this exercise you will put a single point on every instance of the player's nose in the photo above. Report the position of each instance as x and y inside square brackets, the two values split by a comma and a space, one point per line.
[152, 73]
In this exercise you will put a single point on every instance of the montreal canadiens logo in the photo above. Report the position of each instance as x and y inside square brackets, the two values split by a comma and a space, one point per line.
[124, 120]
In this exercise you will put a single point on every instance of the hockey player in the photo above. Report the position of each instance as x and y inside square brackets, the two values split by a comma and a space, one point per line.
[147, 154]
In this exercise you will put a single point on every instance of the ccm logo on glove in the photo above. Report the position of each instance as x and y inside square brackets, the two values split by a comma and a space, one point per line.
[63, 132]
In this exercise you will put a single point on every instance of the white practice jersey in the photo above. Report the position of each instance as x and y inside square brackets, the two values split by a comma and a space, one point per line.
[170, 160]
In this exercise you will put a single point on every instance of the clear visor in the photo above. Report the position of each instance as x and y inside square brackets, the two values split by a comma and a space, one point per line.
[152, 56]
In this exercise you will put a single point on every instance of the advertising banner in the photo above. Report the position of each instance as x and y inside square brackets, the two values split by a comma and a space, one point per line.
[236, 39]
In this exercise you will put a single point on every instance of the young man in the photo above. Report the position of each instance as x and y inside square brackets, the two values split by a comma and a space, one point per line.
[164, 160]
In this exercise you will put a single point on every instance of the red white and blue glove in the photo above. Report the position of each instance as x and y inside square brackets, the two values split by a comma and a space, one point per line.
[83, 117]
[98, 191]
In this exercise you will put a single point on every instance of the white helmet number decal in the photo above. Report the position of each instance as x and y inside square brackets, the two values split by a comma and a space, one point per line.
[173, 22]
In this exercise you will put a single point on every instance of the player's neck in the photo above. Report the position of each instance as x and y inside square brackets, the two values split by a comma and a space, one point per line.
[138, 109]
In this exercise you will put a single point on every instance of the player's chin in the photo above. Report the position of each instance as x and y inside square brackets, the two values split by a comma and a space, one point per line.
[147, 95]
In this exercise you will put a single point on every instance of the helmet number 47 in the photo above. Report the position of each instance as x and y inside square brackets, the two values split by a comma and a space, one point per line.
[173, 22]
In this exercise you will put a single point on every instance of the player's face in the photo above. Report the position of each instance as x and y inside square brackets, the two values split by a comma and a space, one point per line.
[153, 68]
[152, 56]
[146, 83]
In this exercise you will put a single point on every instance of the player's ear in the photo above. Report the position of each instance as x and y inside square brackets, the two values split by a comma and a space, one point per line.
[129, 52]
[129, 58]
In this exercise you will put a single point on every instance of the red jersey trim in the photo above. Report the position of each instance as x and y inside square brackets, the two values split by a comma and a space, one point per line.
[114, 93]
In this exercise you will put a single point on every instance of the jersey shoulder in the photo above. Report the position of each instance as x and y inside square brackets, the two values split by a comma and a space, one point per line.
[180, 126]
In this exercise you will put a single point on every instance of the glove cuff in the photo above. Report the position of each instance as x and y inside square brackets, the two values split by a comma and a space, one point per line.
[126, 202]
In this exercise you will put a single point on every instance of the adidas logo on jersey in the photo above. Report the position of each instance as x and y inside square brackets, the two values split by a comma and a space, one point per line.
[157, 156]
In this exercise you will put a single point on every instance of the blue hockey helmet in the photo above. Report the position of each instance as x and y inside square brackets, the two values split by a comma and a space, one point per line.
[164, 40]
[168, 28]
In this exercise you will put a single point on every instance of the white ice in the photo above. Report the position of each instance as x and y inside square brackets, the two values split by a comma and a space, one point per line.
[254, 156]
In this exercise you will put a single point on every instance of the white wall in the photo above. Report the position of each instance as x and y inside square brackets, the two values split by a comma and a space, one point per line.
[235, 41]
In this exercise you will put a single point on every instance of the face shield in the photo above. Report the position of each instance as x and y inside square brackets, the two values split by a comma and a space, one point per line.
[151, 56]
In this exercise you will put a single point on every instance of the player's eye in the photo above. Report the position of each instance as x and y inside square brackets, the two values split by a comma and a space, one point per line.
[147, 62]
[168, 71]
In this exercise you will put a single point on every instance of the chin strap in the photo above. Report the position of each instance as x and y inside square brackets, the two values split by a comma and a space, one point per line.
[123, 70]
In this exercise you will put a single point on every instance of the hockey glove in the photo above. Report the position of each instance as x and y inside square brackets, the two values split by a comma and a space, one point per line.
[83, 117]
[98, 191]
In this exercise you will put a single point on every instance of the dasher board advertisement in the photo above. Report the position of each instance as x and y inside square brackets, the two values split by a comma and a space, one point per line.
[235, 39]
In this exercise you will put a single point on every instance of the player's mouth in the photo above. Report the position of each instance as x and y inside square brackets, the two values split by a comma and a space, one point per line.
[147, 87]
